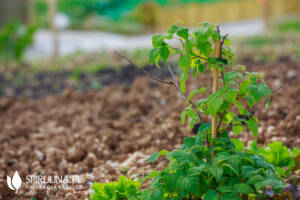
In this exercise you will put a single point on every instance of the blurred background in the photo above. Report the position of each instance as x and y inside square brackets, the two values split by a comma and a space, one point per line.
[78, 36]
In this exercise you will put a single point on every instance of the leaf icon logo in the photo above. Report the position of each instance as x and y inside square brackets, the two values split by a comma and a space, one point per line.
[14, 183]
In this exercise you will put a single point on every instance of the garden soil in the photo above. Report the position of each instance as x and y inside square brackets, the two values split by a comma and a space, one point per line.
[101, 135]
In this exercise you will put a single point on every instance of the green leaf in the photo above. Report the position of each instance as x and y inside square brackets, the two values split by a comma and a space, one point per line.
[230, 196]
[170, 182]
[202, 89]
[239, 145]
[244, 85]
[188, 46]
[153, 55]
[217, 172]
[205, 48]
[214, 35]
[183, 78]
[251, 100]
[185, 61]
[230, 95]
[203, 127]
[267, 106]
[211, 195]
[214, 104]
[243, 188]
[189, 142]
[164, 52]
[157, 40]
[173, 29]
[201, 68]
[230, 76]
[237, 129]
[189, 182]
[183, 33]
[157, 194]
[225, 189]
[252, 125]
[258, 91]
[153, 157]
[202, 35]
[183, 116]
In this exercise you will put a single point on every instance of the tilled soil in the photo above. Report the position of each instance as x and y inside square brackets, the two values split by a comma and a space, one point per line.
[100, 134]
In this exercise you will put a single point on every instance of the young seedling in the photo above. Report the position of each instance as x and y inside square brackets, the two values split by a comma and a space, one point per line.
[210, 165]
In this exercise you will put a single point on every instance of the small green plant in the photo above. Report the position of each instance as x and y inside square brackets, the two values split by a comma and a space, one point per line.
[123, 189]
[14, 39]
[281, 157]
[210, 165]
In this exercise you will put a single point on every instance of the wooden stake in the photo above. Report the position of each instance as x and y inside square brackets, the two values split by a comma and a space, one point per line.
[52, 13]
[216, 86]
[266, 14]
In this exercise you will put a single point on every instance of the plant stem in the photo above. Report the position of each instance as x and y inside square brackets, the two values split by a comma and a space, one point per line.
[216, 86]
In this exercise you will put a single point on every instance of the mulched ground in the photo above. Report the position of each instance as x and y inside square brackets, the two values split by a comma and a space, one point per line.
[98, 134]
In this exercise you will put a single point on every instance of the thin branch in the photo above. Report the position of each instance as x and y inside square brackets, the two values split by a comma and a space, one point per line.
[220, 122]
[182, 43]
[183, 95]
[200, 57]
[284, 83]
[174, 83]
[144, 71]
[224, 38]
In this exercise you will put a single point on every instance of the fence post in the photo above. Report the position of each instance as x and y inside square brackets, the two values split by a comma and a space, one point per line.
[54, 32]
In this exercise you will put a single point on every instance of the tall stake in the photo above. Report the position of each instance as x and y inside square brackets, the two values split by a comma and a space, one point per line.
[216, 86]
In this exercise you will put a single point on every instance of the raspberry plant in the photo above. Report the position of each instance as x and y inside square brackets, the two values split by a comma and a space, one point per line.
[210, 165]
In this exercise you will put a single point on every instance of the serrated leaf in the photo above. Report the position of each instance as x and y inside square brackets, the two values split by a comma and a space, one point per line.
[258, 91]
[239, 145]
[252, 125]
[201, 68]
[183, 78]
[247, 171]
[230, 95]
[157, 40]
[267, 106]
[217, 172]
[214, 105]
[230, 76]
[202, 89]
[250, 100]
[164, 52]
[153, 157]
[173, 29]
[157, 194]
[211, 195]
[243, 188]
[189, 141]
[185, 61]
[189, 184]
[237, 129]
[153, 54]
[203, 127]
[205, 48]
[183, 33]
[183, 116]
[244, 85]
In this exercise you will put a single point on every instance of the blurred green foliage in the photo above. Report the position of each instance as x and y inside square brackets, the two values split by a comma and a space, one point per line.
[292, 25]
[14, 39]
[115, 12]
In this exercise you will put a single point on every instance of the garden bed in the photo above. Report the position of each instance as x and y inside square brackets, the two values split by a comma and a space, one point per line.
[102, 134]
